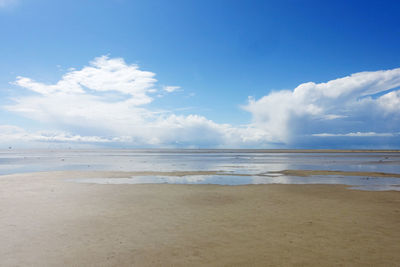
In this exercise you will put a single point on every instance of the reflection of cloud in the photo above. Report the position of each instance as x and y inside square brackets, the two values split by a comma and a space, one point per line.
[191, 179]
[371, 184]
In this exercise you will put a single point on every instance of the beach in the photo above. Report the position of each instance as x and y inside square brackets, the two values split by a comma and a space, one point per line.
[199, 133]
[47, 220]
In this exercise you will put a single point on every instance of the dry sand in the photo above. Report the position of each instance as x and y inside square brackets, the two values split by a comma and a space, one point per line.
[47, 221]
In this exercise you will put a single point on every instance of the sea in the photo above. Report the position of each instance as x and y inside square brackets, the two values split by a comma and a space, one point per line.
[240, 167]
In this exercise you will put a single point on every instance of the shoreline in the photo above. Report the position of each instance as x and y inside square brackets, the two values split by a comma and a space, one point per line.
[125, 174]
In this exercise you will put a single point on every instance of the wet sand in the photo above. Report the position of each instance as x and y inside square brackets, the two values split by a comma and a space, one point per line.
[47, 221]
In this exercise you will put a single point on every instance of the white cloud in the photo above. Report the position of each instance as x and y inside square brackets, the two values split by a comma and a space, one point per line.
[361, 102]
[103, 75]
[108, 98]
[171, 89]
[107, 102]
[11, 133]
[390, 102]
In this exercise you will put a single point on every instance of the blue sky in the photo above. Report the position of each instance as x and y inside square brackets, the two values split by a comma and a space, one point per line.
[213, 74]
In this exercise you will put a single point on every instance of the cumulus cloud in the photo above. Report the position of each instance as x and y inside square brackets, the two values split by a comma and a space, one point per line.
[107, 102]
[357, 105]
[102, 76]
[109, 99]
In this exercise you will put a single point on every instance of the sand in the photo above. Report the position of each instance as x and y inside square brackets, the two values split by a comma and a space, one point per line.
[47, 221]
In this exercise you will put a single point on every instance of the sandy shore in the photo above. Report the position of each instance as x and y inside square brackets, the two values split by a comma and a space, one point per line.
[47, 221]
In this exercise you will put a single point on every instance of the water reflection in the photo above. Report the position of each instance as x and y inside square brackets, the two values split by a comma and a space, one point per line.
[250, 162]
[181, 160]
[357, 182]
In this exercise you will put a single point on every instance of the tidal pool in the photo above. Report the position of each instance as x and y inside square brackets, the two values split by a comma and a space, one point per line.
[356, 182]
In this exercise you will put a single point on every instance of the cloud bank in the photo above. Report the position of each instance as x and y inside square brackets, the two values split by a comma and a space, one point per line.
[359, 105]
[107, 102]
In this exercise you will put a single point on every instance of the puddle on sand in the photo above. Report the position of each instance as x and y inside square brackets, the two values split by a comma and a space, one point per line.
[357, 182]
[377, 187]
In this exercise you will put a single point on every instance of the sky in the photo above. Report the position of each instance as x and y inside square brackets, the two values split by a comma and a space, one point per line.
[199, 74]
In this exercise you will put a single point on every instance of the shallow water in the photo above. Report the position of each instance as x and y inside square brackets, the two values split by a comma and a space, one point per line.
[357, 182]
[250, 162]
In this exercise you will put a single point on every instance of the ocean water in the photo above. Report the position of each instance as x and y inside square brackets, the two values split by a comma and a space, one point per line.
[233, 162]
